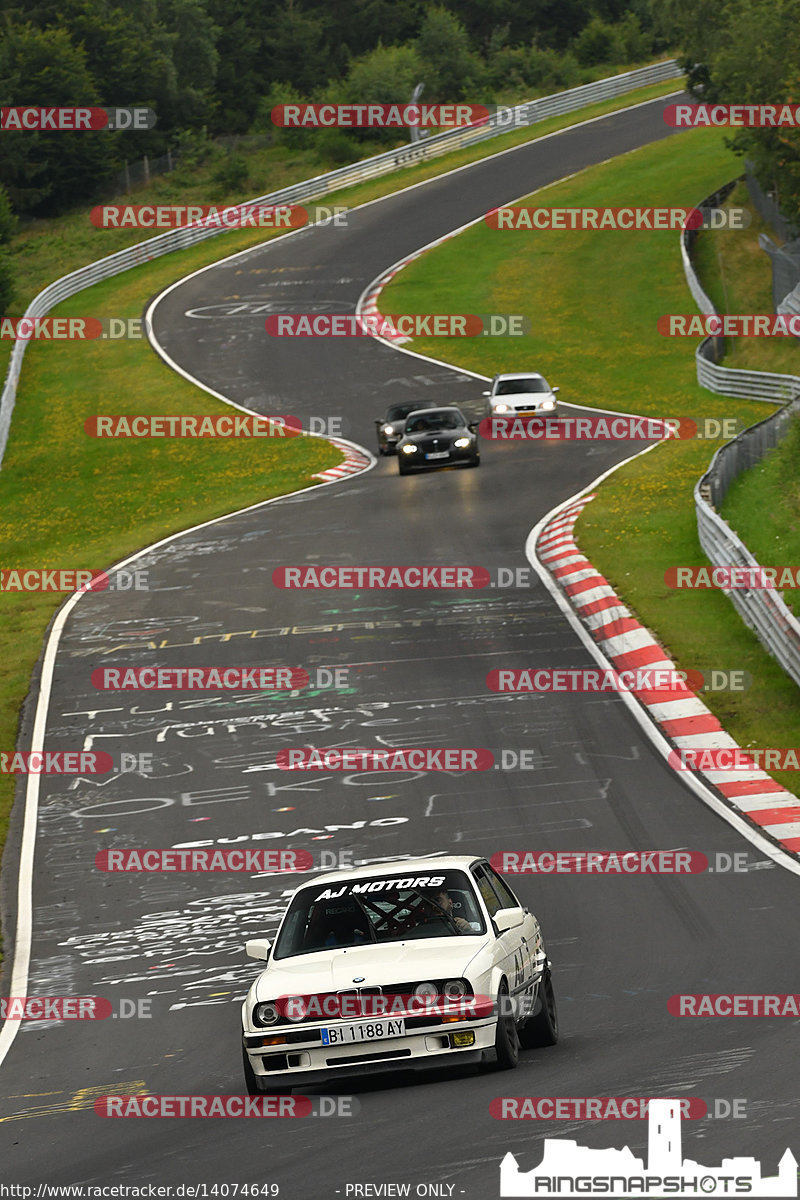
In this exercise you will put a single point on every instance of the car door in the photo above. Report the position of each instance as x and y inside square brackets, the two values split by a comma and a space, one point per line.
[509, 948]
[528, 949]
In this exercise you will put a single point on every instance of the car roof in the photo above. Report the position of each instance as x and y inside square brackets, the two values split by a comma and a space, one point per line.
[521, 375]
[405, 866]
[438, 408]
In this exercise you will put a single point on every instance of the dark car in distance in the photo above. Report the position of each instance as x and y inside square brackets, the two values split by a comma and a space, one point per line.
[437, 437]
[390, 427]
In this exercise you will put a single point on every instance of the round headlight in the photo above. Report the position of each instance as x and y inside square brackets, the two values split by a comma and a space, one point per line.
[410, 448]
[426, 989]
[388, 429]
[462, 443]
[454, 989]
[548, 404]
[266, 1014]
[501, 408]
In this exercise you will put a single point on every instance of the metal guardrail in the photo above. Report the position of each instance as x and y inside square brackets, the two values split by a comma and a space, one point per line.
[380, 164]
[762, 609]
[728, 381]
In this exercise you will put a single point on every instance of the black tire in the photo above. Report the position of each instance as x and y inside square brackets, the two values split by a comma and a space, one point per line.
[541, 1029]
[400, 468]
[249, 1075]
[506, 1041]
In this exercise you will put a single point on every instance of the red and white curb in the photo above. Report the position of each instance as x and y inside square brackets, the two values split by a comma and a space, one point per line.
[368, 306]
[354, 461]
[685, 721]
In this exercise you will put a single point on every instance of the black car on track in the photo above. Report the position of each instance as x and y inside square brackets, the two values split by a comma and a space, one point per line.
[437, 437]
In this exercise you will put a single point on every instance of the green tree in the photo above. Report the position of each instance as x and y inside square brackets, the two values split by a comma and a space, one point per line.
[598, 43]
[450, 69]
[47, 172]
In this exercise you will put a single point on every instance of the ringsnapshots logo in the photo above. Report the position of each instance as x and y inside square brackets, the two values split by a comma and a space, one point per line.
[44, 119]
[570, 1170]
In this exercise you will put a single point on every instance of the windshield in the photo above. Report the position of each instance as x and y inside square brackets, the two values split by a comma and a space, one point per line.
[399, 412]
[514, 387]
[379, 908]
[433, 421]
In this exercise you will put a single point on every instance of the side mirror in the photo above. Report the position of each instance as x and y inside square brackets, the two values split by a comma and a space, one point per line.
[258, 948]
[509, 918]
[473, 426]
[555, 389]
[486, 393]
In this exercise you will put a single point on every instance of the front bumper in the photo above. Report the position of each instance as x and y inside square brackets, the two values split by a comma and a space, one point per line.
[456, 454]
[524, 410]
[305, 1060]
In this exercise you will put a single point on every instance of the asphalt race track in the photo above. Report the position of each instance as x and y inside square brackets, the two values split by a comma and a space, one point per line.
[417, 670]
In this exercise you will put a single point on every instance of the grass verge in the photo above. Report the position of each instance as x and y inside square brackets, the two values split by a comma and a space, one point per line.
[593, 300]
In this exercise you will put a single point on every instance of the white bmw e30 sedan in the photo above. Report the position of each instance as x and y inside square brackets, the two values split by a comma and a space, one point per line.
[410, 965]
